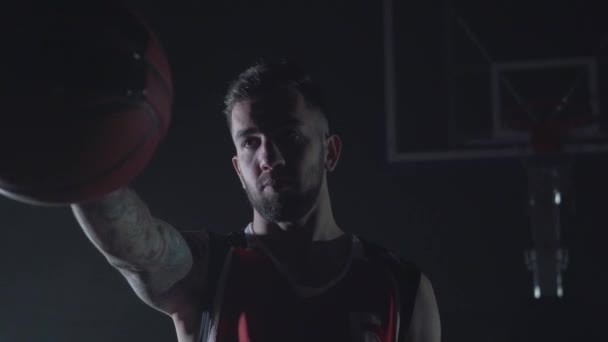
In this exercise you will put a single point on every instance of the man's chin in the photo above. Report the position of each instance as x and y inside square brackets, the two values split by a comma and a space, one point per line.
[282, 212]
[288, 205]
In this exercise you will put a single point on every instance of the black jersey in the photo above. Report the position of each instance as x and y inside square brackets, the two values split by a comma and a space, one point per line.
[251, 300]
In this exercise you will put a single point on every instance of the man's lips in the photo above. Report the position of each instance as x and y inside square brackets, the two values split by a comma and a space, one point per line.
[277, 182]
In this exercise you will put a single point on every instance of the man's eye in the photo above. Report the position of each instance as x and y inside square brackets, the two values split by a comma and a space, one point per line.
[250, 143]
[293, 135]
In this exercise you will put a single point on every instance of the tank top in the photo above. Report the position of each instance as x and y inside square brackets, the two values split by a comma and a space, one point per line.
[250, 299]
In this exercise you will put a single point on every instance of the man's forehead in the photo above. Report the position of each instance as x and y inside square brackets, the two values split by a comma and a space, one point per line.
[276, 104]
[271, 112]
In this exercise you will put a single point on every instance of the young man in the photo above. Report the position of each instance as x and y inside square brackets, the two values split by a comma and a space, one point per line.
[292, 274]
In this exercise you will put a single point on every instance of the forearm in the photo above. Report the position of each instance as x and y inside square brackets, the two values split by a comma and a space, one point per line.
[152, 255]
[121, 227]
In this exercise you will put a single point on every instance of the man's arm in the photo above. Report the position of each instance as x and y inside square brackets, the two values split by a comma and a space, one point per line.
[151, 254]
[425, 325]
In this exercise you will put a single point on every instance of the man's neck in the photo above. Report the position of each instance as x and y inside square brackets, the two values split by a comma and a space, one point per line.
[310, 228]
[307, 261]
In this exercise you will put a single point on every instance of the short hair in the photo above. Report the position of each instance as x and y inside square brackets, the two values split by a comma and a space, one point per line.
[264, 78]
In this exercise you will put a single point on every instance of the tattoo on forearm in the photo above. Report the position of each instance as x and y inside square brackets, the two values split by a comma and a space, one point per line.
[121, 226]
[152, 255]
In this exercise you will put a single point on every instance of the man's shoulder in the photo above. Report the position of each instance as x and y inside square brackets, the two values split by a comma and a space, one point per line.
[378, 253]
[212, 245]
[198, 239]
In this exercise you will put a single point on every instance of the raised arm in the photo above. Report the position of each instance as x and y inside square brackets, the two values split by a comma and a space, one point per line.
[152, 255]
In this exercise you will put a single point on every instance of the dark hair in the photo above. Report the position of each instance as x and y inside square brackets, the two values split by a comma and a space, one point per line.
[264, 78]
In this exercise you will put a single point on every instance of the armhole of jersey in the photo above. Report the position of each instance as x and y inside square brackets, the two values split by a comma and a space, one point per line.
[219, 264]
[406, 277]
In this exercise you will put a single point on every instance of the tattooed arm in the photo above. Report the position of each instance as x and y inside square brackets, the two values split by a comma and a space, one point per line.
[152, 255]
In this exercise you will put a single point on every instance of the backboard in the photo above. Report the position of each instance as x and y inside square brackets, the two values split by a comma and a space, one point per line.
[467, 81]
[514, 79]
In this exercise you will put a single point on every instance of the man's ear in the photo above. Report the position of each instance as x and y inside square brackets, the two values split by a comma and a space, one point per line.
[334, 148]
[235, 164]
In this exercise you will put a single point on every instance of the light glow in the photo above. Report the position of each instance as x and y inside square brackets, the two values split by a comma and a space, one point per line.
[558, 197]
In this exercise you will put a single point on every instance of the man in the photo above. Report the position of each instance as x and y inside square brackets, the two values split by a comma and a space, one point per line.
[292, 274]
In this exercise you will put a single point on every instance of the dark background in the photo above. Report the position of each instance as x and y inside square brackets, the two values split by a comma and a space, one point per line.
[464, 223]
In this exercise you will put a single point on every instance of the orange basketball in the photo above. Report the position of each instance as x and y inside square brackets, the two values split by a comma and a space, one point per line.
[88, 102]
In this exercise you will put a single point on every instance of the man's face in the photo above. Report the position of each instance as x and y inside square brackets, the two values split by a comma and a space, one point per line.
[280, 155]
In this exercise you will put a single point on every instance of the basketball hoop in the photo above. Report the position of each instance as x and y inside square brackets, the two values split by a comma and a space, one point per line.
[548, 123]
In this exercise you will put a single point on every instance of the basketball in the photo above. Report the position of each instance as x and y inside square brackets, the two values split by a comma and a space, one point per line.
[88, 101]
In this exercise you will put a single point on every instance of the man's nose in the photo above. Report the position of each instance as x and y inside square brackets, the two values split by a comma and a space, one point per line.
[271, 156]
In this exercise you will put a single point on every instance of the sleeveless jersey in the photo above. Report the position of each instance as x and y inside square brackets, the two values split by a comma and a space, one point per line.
[250, 300]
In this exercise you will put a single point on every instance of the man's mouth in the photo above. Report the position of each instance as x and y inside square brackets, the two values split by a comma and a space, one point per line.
[277, 183]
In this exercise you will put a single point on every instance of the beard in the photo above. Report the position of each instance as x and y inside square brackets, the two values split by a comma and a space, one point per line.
[290, 205]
